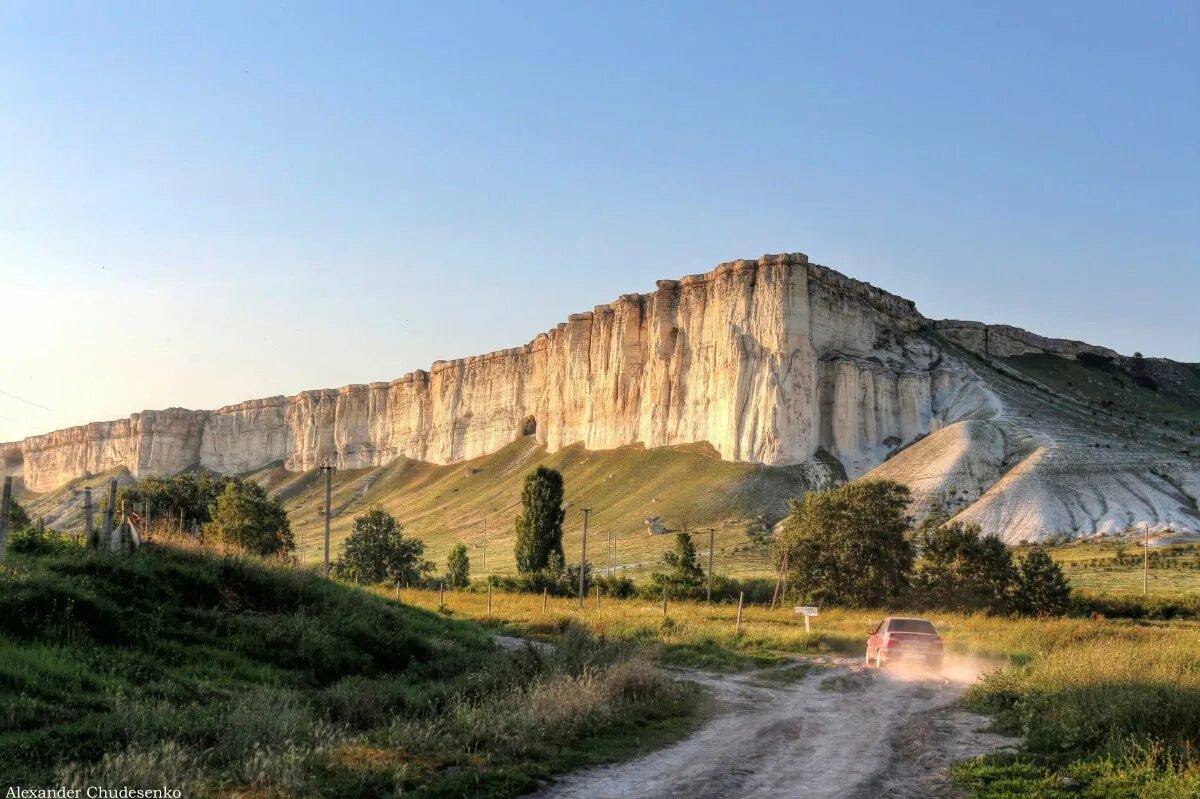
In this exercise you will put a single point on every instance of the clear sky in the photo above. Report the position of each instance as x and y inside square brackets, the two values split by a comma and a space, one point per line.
[207, 202]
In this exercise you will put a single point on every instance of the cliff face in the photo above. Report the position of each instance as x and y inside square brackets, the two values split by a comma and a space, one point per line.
[768, 360]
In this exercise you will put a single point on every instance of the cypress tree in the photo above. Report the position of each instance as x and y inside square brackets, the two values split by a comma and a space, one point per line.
[539, 527]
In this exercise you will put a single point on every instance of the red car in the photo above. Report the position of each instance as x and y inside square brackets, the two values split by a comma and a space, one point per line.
[898, 639]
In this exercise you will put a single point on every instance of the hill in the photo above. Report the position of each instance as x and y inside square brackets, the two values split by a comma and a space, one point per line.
[669, 487]
[222, 676]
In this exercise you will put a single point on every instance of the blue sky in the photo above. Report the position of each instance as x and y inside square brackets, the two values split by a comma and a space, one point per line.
[204, 203]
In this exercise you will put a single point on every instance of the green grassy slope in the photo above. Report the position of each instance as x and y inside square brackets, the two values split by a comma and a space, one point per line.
[1113, 396]
[446, 504]
[63, 507]
[224, 676]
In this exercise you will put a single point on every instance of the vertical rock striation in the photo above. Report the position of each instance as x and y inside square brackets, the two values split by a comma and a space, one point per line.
[768, 360]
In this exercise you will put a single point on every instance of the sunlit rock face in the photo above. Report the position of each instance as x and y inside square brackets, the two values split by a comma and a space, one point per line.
[151, 442]
[774, 361]
[766, 359]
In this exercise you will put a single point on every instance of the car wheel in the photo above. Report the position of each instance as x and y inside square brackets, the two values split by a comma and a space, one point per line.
[879, 658]
[867, 658]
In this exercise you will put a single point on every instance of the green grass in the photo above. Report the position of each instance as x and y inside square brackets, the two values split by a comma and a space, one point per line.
[1114, 568]
[223, 675]
[1097, 385]
[444, 505]
[1110, 703]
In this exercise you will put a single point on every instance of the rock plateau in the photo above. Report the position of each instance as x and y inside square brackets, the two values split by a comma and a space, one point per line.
[774, 361]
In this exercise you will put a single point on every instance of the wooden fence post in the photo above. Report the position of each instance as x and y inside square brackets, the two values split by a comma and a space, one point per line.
[664, 602]
[88, 532]
[597, 597]
[545, 598]
[738, 625]
[107, 531]
[489, 597]
[5, 506]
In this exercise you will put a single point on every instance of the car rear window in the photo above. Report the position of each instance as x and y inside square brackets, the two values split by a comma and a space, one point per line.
[911, 626]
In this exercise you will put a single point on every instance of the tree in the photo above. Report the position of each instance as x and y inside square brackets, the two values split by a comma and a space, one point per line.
[1041, 589]
[193, 494]
[18, 519]
[683, 576]
[458, 567]
[245, 516]
[539, 527]
[377, 550]
[846, 545]
[962, 569]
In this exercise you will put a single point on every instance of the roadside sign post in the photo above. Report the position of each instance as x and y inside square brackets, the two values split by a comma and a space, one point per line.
[807, 612]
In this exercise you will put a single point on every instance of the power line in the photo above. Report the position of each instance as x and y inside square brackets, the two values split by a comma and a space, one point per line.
[26, 401]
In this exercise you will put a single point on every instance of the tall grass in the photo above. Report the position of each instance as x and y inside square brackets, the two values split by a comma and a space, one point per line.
[223, 675]
[1113, 704]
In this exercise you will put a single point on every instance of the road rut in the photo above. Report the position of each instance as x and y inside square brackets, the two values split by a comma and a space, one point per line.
[841, 732]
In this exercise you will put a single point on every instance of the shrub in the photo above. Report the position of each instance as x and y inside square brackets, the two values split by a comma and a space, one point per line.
[377, 550]
[458, 567]
[961, 569]
[846, 545]
[539, 527]
[1040, 589]
[32, 541]
[246, 517]
[683, 578]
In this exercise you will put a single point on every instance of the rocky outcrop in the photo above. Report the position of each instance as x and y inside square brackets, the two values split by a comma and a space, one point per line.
[1005, 341]
[774, 361]
[768, 360]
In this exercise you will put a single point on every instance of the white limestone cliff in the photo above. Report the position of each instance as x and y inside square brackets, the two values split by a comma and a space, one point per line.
[768, 360]
[774, 361]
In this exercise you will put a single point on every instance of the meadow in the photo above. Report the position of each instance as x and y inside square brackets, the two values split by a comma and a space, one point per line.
[228, 676]
[1107, 707]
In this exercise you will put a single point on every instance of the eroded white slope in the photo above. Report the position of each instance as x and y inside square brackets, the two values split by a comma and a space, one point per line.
[1047, 465]
[949, 469]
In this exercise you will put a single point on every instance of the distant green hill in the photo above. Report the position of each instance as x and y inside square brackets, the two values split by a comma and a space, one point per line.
[624, 487]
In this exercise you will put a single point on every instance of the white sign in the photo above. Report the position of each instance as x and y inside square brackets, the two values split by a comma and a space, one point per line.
[807, 611]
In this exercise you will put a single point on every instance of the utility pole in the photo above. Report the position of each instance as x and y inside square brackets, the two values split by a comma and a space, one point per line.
[612, 557]
[711, 533]
[108, 513]
[328, 470]
[87, 518]
[485, 571]
[583, 555]
[1146, 563]
[5, 505]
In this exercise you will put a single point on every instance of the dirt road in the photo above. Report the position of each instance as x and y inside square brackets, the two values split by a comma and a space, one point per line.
[840, 731]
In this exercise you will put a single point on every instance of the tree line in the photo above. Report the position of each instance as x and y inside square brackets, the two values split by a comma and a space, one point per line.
[850, 546]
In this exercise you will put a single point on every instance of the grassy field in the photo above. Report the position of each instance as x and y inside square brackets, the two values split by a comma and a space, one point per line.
[1109, 387]
[1115, 568]
[476, 501]
[1110, 704]
[223, 676]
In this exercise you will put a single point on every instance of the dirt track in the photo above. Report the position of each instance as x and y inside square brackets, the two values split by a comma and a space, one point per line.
[841, 731]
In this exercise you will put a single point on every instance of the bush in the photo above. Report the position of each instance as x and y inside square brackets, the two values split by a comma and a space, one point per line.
[31, 541]
[683, 578]
[963, 570]
[246, 517]
[377, 551]
[539, 527]
[1040, 589]
[846, 545]
[458, 567]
